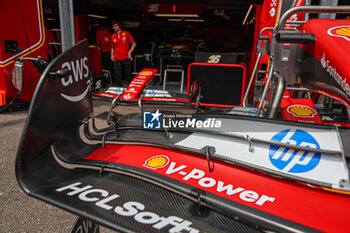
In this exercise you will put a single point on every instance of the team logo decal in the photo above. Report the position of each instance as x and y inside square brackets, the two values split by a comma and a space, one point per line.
[145, 73]
[128, 96]
[79, 73]
[155, 162]
[273, 5]
[200, 179]
[301, 111]
[139, 213]
[340, 31]
[151, 93]
[331, 69]
[294, 161]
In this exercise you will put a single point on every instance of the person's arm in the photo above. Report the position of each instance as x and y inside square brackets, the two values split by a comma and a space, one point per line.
[112, 48]
[112, 56]
[132, 48]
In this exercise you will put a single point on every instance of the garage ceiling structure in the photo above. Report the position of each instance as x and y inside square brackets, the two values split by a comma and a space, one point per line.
[132, 9]
[215, 21]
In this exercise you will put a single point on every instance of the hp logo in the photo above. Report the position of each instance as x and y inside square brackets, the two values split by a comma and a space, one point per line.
[294, 161]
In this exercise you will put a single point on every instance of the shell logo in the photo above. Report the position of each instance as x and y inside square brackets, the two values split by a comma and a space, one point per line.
[145, 73]
[155, 162]
[340, 31]
[301, 111]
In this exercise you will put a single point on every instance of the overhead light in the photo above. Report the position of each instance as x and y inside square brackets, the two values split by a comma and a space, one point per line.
[97, 16]
[247, 15]
[187, 20]
[194, 20]
[178, 15]
[175, 20]
[131, 24]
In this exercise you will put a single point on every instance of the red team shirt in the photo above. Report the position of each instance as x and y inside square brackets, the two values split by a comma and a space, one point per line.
[121, 43]
[104, 37]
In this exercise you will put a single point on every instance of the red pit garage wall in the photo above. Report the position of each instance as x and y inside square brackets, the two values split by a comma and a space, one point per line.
[21, 26]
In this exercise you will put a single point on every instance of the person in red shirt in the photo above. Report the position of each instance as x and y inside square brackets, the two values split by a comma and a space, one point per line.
[121, 53]
[103, 39]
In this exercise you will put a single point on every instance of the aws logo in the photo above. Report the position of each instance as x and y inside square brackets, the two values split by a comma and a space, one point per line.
[340, 31]
[79, 73]
[294, 161]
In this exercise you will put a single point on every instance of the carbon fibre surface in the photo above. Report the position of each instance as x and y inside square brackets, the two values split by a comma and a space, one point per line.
[52, 166]
[152, 205]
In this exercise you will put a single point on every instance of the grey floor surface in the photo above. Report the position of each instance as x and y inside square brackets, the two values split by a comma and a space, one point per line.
[18, 211]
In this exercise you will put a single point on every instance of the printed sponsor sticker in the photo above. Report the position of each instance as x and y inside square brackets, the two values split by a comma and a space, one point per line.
[340, 31]
[155, 162]
[301, 111]
[294, 161]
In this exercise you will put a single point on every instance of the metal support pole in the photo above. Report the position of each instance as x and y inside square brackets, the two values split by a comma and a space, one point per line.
[267, 86]
[164, 81]
[261, 51]
[328, 3]
[66, 23]
[281, 86]
[348, 113]
[310, 9]
[245, 101]
[161, 69]
[182, 81]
